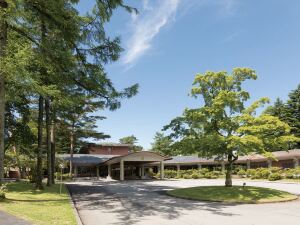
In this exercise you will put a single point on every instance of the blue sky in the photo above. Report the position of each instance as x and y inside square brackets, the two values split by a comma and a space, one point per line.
[170, 41]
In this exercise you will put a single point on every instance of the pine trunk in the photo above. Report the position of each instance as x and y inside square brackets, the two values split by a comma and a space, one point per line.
[39, 168]
[3, 44]
[48, 141]
[71, 152]
[53, 145]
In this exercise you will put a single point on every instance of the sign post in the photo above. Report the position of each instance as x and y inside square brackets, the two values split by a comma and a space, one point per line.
[61, 166]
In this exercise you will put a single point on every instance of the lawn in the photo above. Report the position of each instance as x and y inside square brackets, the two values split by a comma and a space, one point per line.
[236, 194]
[40, 207]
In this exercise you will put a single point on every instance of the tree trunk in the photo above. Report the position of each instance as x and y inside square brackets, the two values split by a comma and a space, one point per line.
[228, 181]
[3, 44]
[71, 152]
[48, 141]
[53, 145]
[39, 169]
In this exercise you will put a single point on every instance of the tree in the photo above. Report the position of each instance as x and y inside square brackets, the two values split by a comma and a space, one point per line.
[223, 127]
[64, 43]
[162, 144]
[288, 112]
[293, 113]
[131, 140]
[278, 110]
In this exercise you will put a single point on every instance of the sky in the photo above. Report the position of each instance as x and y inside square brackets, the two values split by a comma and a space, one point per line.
[169, 41]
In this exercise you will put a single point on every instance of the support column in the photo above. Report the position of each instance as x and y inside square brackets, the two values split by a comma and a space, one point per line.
[97, 172]
[142, 171]
[223, 166]
[296, 162]
[248, 164]
[269, 163]
[162, 170]
[199, 166]
[109, 171]
[75, 171]
[178, 170]
[121, 169]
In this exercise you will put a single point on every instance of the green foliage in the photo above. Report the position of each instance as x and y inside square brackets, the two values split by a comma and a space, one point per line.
[3, 190]
[131, 140]
[223, 127]
[289, 112]
[241, 173]
[162, 145]
[275, 176]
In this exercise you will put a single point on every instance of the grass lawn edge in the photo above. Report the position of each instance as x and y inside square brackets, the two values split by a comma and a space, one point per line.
[292, 197]
[77, 216]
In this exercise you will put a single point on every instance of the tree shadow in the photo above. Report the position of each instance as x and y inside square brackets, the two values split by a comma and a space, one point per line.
[130, 201]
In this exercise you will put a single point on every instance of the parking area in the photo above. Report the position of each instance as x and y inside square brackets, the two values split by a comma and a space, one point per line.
[145, 202]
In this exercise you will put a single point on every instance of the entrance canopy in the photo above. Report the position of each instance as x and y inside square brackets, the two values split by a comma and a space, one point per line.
[137, 158]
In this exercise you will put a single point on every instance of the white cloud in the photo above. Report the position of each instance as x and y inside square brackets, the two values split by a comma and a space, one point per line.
[152, 18]
[156, 14]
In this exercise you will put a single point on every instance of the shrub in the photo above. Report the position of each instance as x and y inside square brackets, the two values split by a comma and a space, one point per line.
[275, 170]
[170, 173]
[257, 175]
[241, 173]
[3, 190]
[250, 172]
[265, 173]
[275, 176]
[211, 175]
[195, 176]
[187, 176]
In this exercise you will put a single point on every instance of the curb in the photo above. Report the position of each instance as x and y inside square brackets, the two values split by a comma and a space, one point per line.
[78, 218]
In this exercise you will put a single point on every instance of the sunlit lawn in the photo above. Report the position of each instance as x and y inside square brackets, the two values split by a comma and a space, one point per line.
[40, 207]
[233, 194]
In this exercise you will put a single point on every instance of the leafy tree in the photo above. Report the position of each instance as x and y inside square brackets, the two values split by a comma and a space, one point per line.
[131, 140]
[162, 144]
[278, 109]
[223, 127]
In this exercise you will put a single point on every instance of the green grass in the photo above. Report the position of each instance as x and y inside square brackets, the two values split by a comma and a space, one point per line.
[235, 194]
[40, 207]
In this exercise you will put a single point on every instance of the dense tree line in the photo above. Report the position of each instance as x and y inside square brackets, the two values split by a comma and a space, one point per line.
[289, 112]
[52, 79]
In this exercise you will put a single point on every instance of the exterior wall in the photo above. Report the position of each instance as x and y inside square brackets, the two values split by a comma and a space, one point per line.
[108, 150]
[284, 163]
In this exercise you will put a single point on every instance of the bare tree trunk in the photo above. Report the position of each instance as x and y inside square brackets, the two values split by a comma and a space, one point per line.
[48, 141]
[53, 145]
[3, 44]
[39, 169]
[71, 151]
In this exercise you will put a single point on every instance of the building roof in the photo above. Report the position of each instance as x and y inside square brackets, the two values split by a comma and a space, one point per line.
[111, 144]
[142, 156]
[86, 159]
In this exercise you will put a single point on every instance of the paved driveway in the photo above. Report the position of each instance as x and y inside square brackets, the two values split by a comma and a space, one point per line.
[145, 202]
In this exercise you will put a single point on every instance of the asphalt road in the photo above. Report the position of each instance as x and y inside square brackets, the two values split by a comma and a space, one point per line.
[144, 202]
[8, 219]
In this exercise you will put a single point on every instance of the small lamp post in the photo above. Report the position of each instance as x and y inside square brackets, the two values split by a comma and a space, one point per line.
[61, 166]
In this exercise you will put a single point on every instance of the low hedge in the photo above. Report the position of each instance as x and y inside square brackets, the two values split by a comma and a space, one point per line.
[273, 173]
[190, 174]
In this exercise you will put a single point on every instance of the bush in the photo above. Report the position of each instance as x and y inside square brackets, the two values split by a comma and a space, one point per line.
[170, 173]
[195, 176]
[65, 176]
[250, 172]
[241, 173]
[275, 176]
[187, 176]
[3, 190]
[211, 175]
[265, 173]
